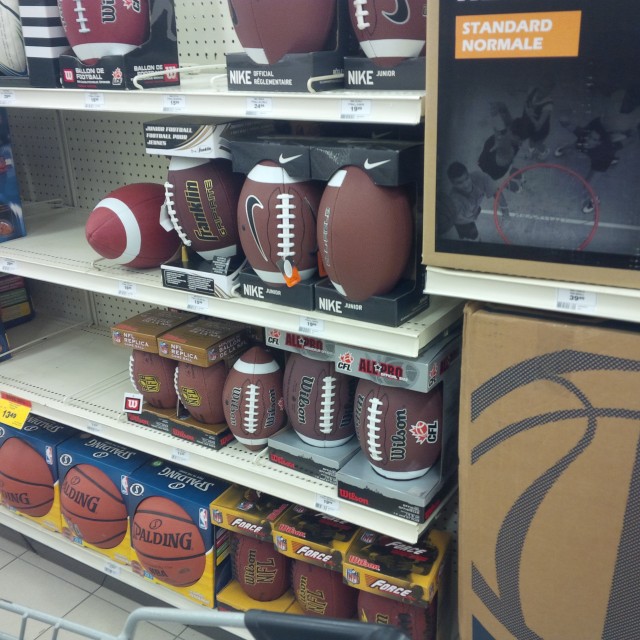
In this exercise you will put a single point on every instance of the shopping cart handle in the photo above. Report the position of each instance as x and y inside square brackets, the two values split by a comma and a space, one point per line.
[267, 625]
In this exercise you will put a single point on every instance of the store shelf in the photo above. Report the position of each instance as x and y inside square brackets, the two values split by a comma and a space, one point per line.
[55, 250]
[549, 295]
[51, 370]
[206, 95]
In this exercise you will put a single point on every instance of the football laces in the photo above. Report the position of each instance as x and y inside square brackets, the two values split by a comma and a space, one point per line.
[286, 227]
[250, 417]
[372, 427]
[361, 14]
[81, 20]
[327, 405]
[173, 216]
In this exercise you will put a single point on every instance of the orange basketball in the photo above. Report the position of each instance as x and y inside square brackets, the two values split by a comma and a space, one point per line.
[93, 507]
[168, 542]
[26, 481]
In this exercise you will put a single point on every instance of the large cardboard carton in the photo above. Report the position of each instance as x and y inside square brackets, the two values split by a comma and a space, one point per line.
[549, 477]
[539, 102]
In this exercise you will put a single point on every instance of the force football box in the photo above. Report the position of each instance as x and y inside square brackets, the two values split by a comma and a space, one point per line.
[142, 331]
[43, 436]
[174, 543]
[158, 54]
[93, 509]
[233, 598]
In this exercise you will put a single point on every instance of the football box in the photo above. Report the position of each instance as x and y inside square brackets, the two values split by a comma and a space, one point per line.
[117, 461]
[233, 598]
[363, 74]
[45, 436]
[15, 301]
[11, 215]
[309, 346]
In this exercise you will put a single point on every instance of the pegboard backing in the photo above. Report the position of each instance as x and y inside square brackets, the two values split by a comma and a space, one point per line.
[107, 152]
[109, 310]
[39, 154]
[60, 302]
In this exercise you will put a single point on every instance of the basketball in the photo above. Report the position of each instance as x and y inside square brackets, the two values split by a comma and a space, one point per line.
[168, 542]
[26, 482]
[93, 507]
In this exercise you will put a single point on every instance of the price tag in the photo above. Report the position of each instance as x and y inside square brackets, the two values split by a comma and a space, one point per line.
[259, 106]
[12, 413]
[326, 504]
[95, 427]
[174, 104]
[576, 300]
[179, 455]
[7, 97]
[112, 569]
[8, 265]
[199, 304]
[311, 325]
[93, 100]
[355, 109]
[127, 289]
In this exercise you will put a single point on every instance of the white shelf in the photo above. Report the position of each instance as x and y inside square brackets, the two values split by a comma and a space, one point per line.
[55, 250]
[549, 295]
[50, 371]
[204, 95]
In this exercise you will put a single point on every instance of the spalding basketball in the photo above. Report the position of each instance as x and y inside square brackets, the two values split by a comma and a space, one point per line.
[168, 542]
[26, 482]
[93, 506]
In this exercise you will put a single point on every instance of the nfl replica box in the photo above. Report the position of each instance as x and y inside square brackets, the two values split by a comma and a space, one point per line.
[29, 482]
[93, 490]
[549, 477]
[173, 541]
[534, 168]
[112, 43]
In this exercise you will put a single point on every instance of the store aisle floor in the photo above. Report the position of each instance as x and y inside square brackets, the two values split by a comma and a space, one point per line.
[37, 577]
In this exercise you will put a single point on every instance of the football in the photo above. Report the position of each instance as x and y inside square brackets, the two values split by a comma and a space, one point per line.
[269, 29]
[322, 592]
[390, 31]
[200, 390]
[153, 377]
[364, 234]
[202, 200]
[417, 623]
[263, 572]
[131, 227]
[319, 401]
[399, 430]
[252, 396]
[13, 61]
[277, 224]
[97, 29]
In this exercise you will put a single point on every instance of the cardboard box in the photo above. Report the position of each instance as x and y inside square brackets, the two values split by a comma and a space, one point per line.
[233, 598]
[309, 346]
[549, 435]
[15, 301]
[11, 218]
[301, 296]
[44, 436]
[363, 73]
[142, 331]
[544, 119]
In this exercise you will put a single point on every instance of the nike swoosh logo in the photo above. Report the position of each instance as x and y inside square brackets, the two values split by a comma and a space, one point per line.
[249, 206]
[373, 165]
[283, 160]
[400, 15]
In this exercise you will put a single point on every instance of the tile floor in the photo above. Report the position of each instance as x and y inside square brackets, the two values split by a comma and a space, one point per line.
[34, 576]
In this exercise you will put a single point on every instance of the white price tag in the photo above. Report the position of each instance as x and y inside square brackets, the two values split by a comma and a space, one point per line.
[8, 265]
[311, 325]
[259, 106]
[7, 97]
[199, 304]
[174, 104]
[179, 455]
[355, 109]
[112, 569]
[127, 289]
[95, 427]
[93, 100]
[576, 300]
[326, 504]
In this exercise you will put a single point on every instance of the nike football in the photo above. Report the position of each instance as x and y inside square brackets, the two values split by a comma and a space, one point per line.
[400, 431]
[277, 224]
[269, 29]
[364, 234]
[390, 31]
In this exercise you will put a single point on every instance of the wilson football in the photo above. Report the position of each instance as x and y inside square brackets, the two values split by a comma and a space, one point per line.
[97, 29]
[390, 31]
[399, 430]
[269, 29]
[200, 390]
[153, 377]
[202, 200]
[364, 234]
[319, 401]
[252, 396]
[277, 223]
[131, 227]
